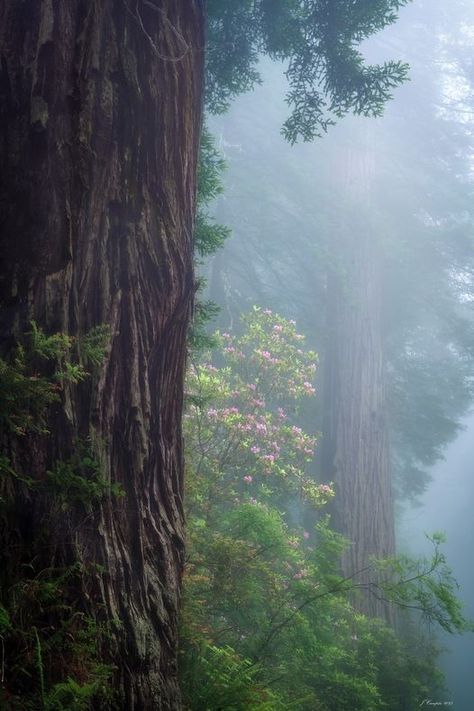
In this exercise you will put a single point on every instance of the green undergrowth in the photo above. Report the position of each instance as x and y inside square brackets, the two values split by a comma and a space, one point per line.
[51, 648]
[268, 621]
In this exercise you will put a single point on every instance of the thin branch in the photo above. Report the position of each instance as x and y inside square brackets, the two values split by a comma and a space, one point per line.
[138, 19]
[173, 29]
[340, 587]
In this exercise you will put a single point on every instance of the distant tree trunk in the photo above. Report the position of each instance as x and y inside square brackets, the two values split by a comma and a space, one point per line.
[355, 450]
[100, 116]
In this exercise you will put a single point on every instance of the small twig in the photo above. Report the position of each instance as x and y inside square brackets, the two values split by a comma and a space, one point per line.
[340, 587]
[39, 661]
[170, 24]
[3, 660]
[138, 19]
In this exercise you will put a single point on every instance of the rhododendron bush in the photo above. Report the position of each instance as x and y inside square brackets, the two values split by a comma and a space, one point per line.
[240, 424]
[267, 621]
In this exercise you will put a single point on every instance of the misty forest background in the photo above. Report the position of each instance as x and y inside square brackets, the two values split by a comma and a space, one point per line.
[237, 355]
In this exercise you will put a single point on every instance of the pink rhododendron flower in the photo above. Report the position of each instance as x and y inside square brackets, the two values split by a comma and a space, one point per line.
[325, 489]
[248, 479]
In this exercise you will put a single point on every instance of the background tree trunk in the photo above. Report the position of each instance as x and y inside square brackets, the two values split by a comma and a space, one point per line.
[355, 446]
[100, 116]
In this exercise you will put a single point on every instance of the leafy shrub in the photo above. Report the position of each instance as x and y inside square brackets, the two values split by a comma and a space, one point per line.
[266, 610]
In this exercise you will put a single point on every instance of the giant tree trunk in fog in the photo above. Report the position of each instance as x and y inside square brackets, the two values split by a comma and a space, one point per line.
[100, 111]
[355, 444]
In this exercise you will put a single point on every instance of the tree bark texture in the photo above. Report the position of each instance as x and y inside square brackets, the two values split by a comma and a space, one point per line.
[100, 116]
[355, 448]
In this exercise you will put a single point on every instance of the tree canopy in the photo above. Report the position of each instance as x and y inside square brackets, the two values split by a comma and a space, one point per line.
[319, 42]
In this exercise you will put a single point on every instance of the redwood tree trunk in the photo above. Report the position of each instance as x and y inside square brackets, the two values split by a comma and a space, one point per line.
[100, 114]
[355, 444]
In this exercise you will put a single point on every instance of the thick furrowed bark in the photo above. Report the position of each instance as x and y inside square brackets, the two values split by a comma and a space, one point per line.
[355, 444]
[100, 112]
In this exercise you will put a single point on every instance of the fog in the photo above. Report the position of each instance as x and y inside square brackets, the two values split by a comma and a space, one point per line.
[408, 183]
[236, 355]
[447, 506]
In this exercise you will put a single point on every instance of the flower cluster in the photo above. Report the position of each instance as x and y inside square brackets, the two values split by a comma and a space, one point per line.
[273, 348]
[241, 421]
